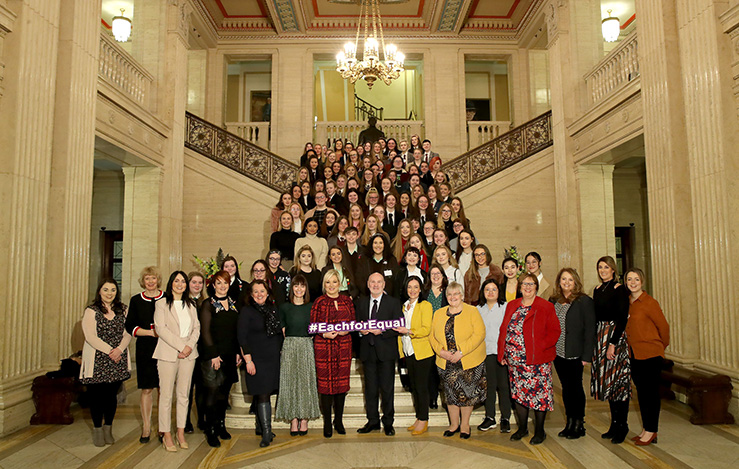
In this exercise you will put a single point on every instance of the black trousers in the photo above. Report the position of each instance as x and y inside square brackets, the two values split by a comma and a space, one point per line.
[196, 395]
[103, 402]
[573, 394]
[418, 370]
[498, 383]
[379, 378]
[646, 375]
[434, 383]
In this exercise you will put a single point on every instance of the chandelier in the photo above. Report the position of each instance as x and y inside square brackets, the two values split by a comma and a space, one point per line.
[611, 28]
[121, 27]
[370, 67]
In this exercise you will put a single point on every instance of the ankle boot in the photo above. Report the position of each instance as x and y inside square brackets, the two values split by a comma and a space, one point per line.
[211, 437]
[609, 434]
[108, 434]
[97, 437]
[577, 430]
[567, 430]
[339, 400]
[221, 431]
[264, 412]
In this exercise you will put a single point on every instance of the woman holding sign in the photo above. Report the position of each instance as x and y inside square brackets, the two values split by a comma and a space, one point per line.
[333, 352]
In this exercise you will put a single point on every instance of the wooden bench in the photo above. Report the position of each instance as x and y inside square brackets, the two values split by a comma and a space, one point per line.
[708, 394]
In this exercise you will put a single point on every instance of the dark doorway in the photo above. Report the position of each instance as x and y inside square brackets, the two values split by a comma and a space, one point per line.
[624, 248]
[112, 259]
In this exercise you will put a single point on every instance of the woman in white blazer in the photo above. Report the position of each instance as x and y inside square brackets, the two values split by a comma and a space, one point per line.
[176, 323]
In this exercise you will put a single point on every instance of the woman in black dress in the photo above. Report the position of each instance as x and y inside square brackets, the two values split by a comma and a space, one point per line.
[260, 337]
[105, 360]
[219, 355]
[305, 264]
[610, 378]
[140, 324]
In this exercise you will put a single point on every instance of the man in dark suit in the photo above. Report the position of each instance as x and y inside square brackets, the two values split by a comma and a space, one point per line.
[378, 351]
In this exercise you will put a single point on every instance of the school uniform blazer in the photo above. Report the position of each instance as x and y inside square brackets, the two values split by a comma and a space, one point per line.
[167, 325]
[420, 328]
[469, 334]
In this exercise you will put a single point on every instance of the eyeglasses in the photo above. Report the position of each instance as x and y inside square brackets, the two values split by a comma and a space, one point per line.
[480, 254]
[528, 284]
[259, 270]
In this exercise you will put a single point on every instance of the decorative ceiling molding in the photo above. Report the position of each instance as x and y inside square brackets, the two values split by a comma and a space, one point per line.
[450, 15]
[286, 15]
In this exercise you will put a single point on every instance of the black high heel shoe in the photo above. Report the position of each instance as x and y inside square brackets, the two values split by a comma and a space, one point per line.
[449, 433]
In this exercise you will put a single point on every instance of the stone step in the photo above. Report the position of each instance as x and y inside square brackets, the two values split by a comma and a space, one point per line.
[355, 417]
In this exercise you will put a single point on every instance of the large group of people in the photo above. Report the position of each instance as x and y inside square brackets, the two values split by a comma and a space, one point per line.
[376, 232]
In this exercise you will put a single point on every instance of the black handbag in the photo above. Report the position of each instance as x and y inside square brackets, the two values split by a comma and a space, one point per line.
[212, 378]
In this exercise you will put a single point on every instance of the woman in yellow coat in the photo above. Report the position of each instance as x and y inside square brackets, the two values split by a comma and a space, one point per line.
[458, 338]
[413, 343]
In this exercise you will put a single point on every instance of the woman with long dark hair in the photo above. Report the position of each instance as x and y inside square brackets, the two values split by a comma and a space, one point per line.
[176, 321]
[260, 337]
[219, 353]
[105, 360]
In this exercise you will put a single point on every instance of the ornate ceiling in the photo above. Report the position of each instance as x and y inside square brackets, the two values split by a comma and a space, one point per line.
[329, 18]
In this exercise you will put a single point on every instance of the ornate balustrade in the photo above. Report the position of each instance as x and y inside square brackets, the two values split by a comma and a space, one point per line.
[620, 66]
[238, 154]
[254, 132]
[349, 130]
[480, 132]
[500, 153]
[122, 72]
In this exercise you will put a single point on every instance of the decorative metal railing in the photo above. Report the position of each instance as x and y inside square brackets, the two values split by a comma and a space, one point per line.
[620, 66]
[481, 132]
[120, 70]
[238, 154]
[363, 110]
[500, 153]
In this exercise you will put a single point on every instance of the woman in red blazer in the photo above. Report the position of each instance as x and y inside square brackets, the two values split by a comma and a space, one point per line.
[527, 343]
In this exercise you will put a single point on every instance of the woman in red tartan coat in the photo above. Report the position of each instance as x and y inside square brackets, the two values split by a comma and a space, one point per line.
[333, 352]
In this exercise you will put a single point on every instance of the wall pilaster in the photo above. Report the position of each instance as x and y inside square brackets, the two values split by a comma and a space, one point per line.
[70, 196]
[671, 215]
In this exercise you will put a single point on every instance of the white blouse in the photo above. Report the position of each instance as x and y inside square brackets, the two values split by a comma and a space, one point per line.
[405, 339]
[183, 316]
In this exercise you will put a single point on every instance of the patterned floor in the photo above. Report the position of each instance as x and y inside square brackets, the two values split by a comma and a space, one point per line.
[681, 445]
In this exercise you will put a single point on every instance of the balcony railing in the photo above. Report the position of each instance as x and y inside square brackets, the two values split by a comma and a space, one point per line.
[238, 154]
[254, 132]
[122, 72]
[481, 132]
[500, 153]
[348, 130]
[620, 66]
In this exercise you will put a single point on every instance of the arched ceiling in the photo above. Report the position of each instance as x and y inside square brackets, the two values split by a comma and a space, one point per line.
[330, 18]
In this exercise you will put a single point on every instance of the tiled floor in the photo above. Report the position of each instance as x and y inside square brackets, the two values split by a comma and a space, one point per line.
[681, 445]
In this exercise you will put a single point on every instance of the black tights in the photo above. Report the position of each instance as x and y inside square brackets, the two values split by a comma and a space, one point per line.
[522, 415]
[260, 398]
[103, 402]
[216, 401]
[337, 400]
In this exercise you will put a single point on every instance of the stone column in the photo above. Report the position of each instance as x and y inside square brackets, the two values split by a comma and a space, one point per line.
[292, 103]
[595, 190]
[140, 224]
[668, 175]
[539, 98]
[705, 55]
[7, 20]
[26, 139]
[520, 85]
[70, 197]
[574, 45]
[444, 110]
[197, 61]
[173, 97]
[215, 87]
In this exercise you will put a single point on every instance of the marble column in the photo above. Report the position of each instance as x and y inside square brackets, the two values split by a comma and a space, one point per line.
[70, 196]
[730, 22]
[444, 105]
[574, 46]
[27, 139]
[711, 137]
[671, 215]
[197, 61]
[173, 97]
[538, 100]
[216, 75]
[597, 225]
[140, 224]
[292, 105]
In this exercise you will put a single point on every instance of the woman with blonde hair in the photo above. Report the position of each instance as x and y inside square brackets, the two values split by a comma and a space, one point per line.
[296, 210]
[445, 259]
[140, 324]
[458, 338]
[305, 264]
[371, 228]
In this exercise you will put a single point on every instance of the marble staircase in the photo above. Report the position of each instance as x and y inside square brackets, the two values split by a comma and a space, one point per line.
[354, 413]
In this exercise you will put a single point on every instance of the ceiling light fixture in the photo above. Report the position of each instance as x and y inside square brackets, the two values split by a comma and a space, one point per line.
[611, 27]
[370, 67]
[121, 27]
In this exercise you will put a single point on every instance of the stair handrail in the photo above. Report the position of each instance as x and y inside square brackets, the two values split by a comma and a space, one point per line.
[500, 153]
[363, 110]
[230, 150]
